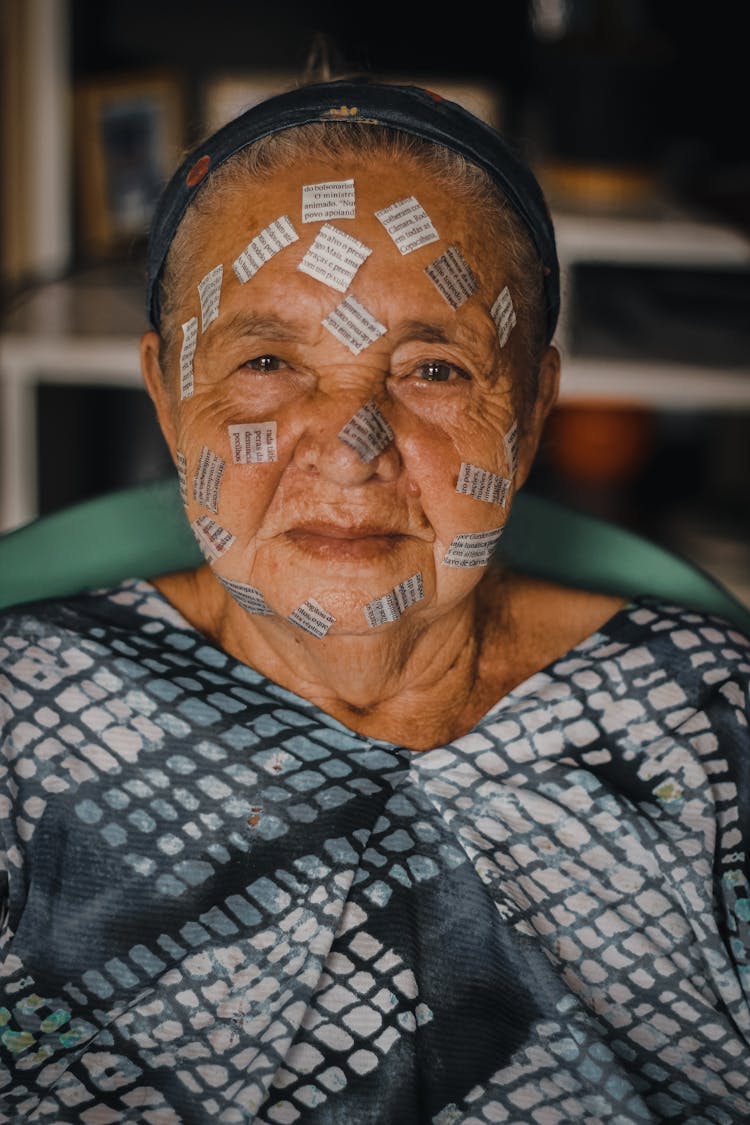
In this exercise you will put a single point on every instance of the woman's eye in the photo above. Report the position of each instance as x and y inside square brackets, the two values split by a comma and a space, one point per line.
[265, 364]
[436, 371]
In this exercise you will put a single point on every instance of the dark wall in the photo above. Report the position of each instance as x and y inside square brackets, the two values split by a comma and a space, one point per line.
[662, 81]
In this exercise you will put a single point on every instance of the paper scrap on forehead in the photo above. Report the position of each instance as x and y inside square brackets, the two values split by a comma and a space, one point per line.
[504, 315]
[510, 443]
[474, 548]
[395, 602]
[187, 352]
[452, 276]
[209, 292]
[333, 199]
[353, 325]
[207, 479]
[482, 484]
[274, 237]
[253, 442]
[249, 597]
[367, 432]
[408, 224]
[311, 617]
[334, 257]
[213, 540]
[182, 476]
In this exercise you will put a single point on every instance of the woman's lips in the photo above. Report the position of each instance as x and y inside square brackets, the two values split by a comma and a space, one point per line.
[335, 541]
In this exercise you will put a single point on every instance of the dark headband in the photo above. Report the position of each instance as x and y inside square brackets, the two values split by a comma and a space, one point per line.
[409, 109]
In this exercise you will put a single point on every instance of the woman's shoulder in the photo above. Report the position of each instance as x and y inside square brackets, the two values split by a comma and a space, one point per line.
[120, 602]
[568, 612]
[47, 640]
[553, 623]
[541, 620]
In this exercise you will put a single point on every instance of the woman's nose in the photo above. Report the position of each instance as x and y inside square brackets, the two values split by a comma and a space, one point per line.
[349, 448]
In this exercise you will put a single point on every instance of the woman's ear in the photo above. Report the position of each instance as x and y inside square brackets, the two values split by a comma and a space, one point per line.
[158, 388]
[547, 392]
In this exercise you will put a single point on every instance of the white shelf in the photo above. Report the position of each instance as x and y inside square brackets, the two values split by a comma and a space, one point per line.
[659, 386]
[667, 240]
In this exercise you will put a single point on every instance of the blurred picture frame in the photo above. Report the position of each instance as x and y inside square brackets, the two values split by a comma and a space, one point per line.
[129, 133]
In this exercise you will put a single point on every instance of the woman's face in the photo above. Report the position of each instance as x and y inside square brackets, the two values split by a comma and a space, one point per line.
[319, 506]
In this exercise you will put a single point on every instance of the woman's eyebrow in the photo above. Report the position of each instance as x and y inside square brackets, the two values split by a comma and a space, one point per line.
[266, 325]
[421, 330]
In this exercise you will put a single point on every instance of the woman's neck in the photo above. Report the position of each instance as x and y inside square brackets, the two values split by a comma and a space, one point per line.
[418, 684]
[416, 687]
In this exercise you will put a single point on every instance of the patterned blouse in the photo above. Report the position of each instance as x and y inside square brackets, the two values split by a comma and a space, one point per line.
[220, 905]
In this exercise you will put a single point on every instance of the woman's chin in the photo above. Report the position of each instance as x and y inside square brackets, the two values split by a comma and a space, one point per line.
[367, 610]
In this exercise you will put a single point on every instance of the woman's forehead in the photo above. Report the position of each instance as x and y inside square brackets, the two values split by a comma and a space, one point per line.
[331, 218]
[351, 189]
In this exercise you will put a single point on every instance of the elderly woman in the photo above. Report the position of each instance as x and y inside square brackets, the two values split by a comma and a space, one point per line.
[350, 824]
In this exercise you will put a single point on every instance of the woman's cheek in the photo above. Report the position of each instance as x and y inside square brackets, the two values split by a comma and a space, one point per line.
[462, 475]
[229, 465]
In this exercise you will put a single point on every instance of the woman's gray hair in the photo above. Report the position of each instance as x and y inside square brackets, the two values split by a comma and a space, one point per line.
[464, 180]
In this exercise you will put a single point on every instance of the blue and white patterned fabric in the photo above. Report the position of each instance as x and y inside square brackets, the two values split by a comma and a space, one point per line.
[221, 905]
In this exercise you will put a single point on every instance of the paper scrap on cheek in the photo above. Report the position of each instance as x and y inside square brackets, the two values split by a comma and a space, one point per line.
[408, 224]
[395, 602]
[474, 548]
[482, 484]
[504, 315]
[510, 443]
[367, 432]
[182, 476]
[249, 597]
[353, 325]
[451, 274]
[209, 292]
[334, 257]
[274, 237]
[213, 540]
[333, 199]
[187, 354]
[311, 617]
[207, 479]
[253, 442]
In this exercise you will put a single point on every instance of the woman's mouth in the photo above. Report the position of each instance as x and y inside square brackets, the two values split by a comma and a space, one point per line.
[335, 541]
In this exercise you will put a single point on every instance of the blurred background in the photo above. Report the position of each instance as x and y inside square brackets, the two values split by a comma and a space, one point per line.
[633, 114]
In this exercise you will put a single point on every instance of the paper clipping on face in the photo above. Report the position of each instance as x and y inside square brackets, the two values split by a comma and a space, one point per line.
[332, 199]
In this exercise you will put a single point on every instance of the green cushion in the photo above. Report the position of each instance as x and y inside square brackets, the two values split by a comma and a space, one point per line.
[142, 531]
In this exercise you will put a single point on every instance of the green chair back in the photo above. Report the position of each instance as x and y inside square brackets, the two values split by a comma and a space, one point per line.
[142, 532]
